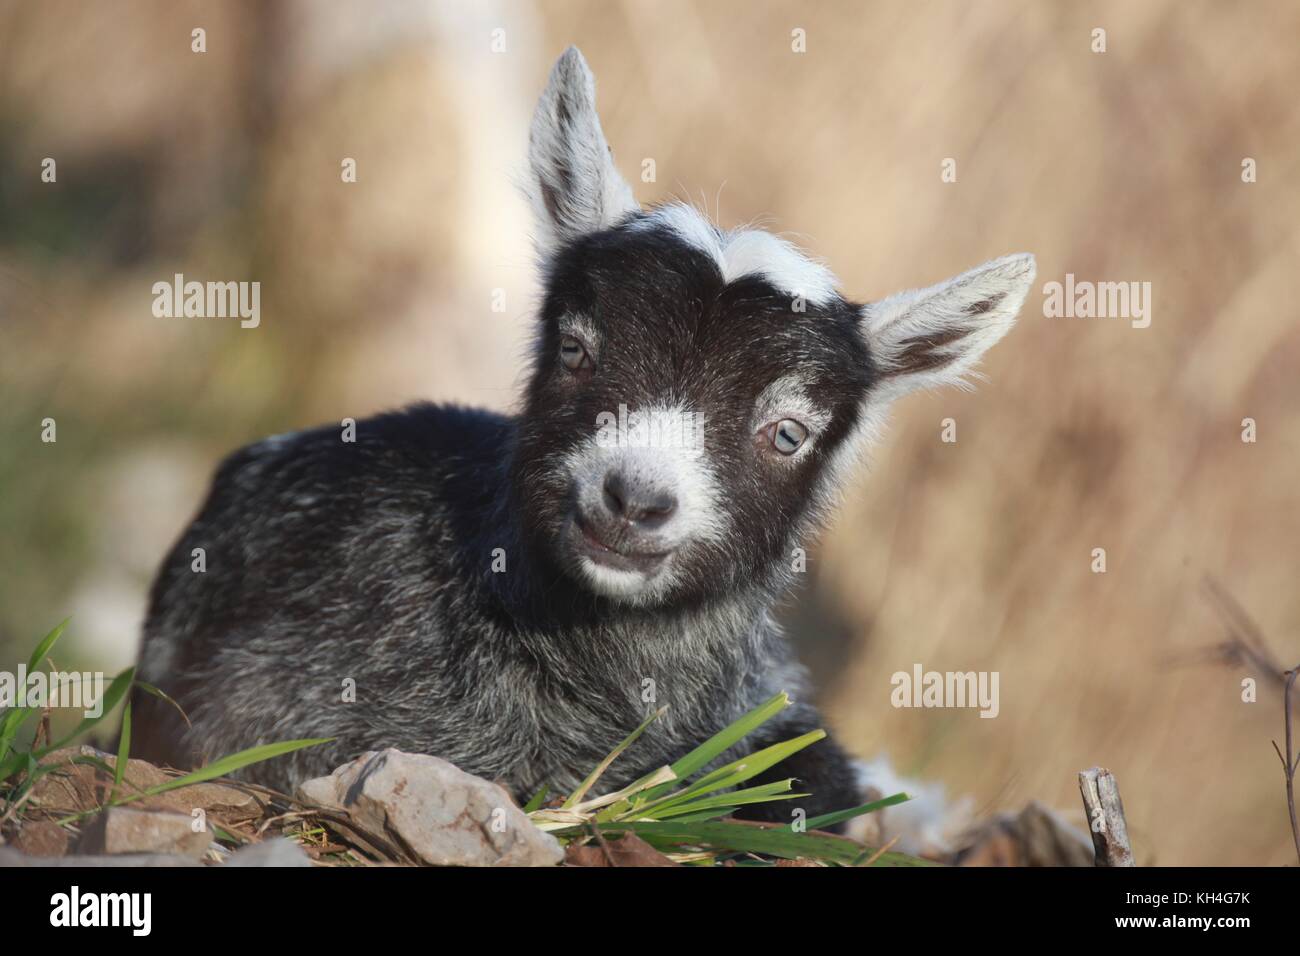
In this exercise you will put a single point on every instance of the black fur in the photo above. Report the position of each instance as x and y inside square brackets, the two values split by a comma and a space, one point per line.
[373, 560]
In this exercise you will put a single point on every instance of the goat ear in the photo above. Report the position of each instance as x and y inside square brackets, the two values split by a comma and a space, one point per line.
[935, 336]
[573, 184]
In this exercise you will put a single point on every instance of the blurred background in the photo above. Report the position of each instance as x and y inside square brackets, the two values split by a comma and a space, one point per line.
[974, 555]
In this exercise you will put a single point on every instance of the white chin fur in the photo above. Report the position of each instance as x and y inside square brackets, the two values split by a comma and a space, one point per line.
[631, 586]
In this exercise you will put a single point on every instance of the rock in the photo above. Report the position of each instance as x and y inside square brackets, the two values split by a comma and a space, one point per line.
[10, 857]
[42, 838]
[432, 811]
[932, 826]
[1037, 836]
[76, 787]
[124, 830]
[275, 852]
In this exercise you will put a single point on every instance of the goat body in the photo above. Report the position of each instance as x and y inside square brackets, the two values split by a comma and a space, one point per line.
[516, 593]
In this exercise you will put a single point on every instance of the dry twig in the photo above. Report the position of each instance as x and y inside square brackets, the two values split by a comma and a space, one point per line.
[1289, 762]
[1105, 817]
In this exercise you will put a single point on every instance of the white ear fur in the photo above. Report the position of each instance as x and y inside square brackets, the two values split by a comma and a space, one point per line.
[573, 184]
[935, 336]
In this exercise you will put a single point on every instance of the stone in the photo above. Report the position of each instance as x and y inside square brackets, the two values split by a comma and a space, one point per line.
[9, 857]
[120, 830]
[75, 787]
[431, 811]
[1037, 836]
[42, 838]
[273, 852]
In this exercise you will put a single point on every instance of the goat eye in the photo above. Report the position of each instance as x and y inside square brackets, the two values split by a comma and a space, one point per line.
[788, 436]
[572, 354]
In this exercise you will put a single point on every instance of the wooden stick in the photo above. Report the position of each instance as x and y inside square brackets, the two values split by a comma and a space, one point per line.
[1105, 817]
[1289, 763]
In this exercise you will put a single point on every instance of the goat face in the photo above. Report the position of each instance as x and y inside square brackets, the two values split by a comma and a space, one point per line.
[695, 392]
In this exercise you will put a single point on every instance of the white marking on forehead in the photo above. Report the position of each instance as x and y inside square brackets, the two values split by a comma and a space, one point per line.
[744, 252]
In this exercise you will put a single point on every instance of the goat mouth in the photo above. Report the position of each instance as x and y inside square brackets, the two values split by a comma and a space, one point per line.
[591, 546]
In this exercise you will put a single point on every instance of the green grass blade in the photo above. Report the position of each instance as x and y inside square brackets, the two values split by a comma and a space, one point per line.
[839, 816]
[738, 771]
[11, 764]
[44, 646]
[684, 804]
[537, 800]
[618, 797]
[34, 773]
[228, 765]
[13, 722]
[17, 716]
[739, 837]
[675, 813]
[575, 798]
[116, 691]
[155, 692]
[102, 766]
[221, 833]
[723, 741]
[123, 752]
[700, 816]
[85, 760]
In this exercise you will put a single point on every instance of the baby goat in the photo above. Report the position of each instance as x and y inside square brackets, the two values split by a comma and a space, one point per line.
[515, 593]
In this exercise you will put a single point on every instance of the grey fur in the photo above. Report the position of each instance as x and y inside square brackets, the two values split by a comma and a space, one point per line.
[377, 563]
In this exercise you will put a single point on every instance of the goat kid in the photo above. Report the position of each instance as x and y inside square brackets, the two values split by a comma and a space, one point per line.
[515, 593]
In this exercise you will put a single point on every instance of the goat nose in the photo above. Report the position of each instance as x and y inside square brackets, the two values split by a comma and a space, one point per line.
[647, 507]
